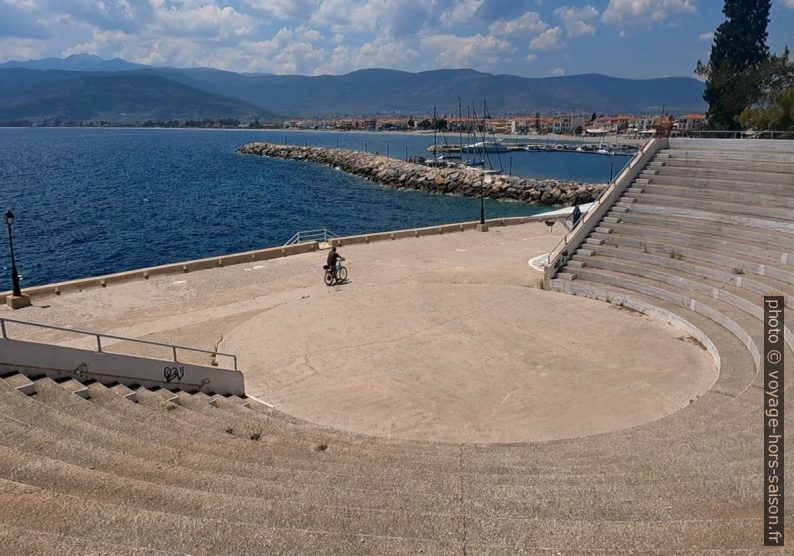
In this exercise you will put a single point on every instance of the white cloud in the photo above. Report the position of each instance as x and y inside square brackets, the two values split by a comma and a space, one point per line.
[284, 9]
[706, 37]
[557, 72]
[463, 11]
[455, 51]
[204, 20]
[577, 21]
[528, 23]
[789, 4]
[547, 40]
[642, 13]
[531, 57]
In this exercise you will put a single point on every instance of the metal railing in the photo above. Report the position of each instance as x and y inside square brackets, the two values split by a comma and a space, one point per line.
[321, 235]
[556, 258]
[173, 347]
[730, 134]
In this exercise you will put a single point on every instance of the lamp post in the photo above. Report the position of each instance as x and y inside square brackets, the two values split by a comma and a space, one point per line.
[482, 199]
[14, 275]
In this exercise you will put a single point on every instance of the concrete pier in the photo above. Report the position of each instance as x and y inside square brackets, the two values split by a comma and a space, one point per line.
[463, 181]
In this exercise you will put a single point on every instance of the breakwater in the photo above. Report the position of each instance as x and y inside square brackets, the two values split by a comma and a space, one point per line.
[463, 181]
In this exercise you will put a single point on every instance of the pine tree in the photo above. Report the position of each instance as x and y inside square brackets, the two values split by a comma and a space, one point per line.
[739, 48]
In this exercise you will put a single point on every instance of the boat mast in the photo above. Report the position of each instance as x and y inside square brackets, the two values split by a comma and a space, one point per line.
[435, 128]
[460, 128]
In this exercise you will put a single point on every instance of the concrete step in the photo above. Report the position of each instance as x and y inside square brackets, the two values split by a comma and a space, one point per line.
[660, 237]
[733, 145]
[21, 541]
[733, 156]
[744, 300]
[719, 184]
[612, 219]
[161, 394]
[745, 197]
[229, 481]
[75, 387]
[45, 510]
[603, 229]
[780, 240]
[698, 268]
[566, 276]
[730, 174]
[713, 217]
[635, 190]
[124, 392]
[20, 383]
[576, 264]
[237, 462]
[69, 385]
[729, 262]
[91, 485]
[593, 241]
[744, 165]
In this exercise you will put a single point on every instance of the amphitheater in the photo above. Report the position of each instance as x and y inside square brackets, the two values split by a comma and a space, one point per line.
[448, 398]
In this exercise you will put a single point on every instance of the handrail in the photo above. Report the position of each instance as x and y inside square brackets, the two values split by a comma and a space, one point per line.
[593, 211]
[99, 336]
[730, 134]
[321, 234]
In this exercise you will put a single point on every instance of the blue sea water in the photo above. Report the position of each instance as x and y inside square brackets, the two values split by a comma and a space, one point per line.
[95, 201]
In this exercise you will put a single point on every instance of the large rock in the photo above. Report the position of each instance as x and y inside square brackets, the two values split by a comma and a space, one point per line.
[459, 181]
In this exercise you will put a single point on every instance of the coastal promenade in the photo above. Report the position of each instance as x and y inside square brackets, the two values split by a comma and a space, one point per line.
[441, 337]
[464, 181]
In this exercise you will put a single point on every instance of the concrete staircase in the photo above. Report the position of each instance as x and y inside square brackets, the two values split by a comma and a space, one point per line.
[87, 468]
[188, 473]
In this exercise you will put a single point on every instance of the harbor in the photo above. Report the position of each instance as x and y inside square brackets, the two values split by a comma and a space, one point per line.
[499, 146]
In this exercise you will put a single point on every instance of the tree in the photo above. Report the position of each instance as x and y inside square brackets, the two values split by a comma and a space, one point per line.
[774, 109]
[738, 50]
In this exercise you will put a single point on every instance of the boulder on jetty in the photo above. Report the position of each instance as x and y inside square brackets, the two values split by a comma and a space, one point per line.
[463, 181]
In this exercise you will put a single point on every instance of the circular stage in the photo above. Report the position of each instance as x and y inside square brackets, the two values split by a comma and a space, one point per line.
[467, 362]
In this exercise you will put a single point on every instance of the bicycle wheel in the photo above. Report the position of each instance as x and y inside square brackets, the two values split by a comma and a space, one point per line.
[328, 278]
[341, 274]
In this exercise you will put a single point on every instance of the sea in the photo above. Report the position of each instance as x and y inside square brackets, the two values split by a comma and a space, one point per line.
[95, 201]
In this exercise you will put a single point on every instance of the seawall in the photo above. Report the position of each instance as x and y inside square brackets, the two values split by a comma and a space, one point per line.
[463, 181]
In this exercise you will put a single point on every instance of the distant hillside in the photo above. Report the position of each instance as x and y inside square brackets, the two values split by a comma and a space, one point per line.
[75, 62]
[116, 97]
[379, 91]
[52, 86]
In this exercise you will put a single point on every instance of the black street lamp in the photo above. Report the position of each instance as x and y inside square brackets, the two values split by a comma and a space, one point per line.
[14, 274]
[482, 198]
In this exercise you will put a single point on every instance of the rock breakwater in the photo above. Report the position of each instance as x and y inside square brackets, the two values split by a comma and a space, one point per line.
[462, 181]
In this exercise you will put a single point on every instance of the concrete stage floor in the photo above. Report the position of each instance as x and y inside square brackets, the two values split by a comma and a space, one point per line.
[443, 338]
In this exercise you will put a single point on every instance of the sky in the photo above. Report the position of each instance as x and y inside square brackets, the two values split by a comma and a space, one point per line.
[532, 38]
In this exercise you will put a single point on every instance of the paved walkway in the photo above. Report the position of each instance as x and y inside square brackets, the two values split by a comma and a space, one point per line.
[442, 337]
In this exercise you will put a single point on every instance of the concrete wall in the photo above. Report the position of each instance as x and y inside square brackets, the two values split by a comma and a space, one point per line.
[33, 358]
[434, 230]
[257, 255]
[174, 268]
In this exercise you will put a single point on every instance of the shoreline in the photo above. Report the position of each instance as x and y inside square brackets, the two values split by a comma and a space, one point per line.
[513, 137]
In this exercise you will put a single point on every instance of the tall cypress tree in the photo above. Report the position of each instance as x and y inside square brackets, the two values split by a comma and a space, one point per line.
[739, 48]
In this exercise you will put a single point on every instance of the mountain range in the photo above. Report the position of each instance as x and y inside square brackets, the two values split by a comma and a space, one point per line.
[86, 87]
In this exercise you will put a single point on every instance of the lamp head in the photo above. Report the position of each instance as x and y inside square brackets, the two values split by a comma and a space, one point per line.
[9, 218]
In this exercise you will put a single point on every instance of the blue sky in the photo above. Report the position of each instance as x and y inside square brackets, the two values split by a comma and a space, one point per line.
[627, 38]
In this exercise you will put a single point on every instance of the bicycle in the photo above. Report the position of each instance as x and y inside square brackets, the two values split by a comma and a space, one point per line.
[334, 276]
